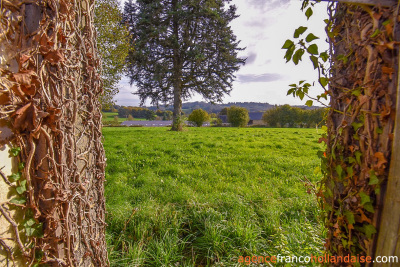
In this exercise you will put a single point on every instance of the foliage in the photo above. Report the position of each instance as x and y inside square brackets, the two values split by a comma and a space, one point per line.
[198, 117]
[238, 116]
[359, 127]
[209, 196]
[293, 116]
[113, 46]
[176, 56]
[151, 115]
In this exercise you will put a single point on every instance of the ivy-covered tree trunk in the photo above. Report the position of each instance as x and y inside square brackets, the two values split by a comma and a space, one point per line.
[363, 90]
[51, 84]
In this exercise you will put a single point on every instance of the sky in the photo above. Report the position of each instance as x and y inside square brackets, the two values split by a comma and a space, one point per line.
[263, 27]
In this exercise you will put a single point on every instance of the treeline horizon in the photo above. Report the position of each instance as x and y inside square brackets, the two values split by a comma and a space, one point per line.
[188, 107]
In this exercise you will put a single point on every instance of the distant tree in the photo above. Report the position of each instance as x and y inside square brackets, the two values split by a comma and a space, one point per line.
[271, 117]
[130, 118]
[150, 115]
[175, 53]
[238, 116]
[113, 46]
[198, 117]
[224, 111]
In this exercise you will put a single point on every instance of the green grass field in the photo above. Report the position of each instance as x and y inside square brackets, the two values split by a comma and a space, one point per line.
[206, 196]
[109, 116]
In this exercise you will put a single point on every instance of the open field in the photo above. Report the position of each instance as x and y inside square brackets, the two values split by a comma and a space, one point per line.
[206, 196]
[109, 116]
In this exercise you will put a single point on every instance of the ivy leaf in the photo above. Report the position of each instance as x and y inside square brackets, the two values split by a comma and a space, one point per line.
[358, 156]
[288, 44]
[364, 198]
[22, 187]
[309, 103]
[377, 31]
[29, 222]
[15, 176]
[18, 200]
[324, 56]
[339, 171]
[289, 53]
[311, 37]
[373, 179]
[356, 125]
[313, 49]
[297, 56]
[369, 230]
[309, 13]
[299, 31]
[350, 217]
[314, 60]
[323, 81]
[369, 207]
[15, 151]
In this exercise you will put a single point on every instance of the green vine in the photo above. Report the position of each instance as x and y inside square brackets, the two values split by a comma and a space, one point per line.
[357, 77]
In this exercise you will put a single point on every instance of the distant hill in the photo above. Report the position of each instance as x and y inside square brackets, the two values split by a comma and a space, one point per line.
[215, 108]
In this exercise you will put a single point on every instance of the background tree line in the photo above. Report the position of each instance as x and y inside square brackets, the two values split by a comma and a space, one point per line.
[144, 113]
[287, 116]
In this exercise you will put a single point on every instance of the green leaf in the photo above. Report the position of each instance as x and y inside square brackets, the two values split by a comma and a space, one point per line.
[339, 171]
[313, 49]
[311, 37]
[368, 207]
[356, 92]
[15, 151]
[299, 31]
[297, 56]
[29, 222]
[350, 171]
[18, 200]
[288, 44]
[356, 125]
[369, 230]
[21, 166]
[323, 81]
[314, 60]
[324, 56]
[289, 53]
[15, 176]
[364, 198]
[22, 188]
[376, 32]
[300, 94]
[350, 217]
[358, 156]
[309, 103]
[386, 22]
[309, 13]
[373, 179]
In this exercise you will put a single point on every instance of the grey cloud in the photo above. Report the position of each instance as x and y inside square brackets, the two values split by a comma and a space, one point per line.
[251, 58]
[267, 4]
[259, 78]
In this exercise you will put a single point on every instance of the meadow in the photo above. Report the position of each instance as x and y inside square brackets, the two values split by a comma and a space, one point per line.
[207, 196]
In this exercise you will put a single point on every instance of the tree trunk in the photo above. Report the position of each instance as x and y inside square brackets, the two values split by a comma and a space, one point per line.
[53, 87]
[360, 128]
[177, 123]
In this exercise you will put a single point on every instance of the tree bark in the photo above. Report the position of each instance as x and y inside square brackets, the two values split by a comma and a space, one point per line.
[177, 123]
[54, 89]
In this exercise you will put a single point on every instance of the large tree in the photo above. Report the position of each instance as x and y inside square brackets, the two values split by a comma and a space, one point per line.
[113, 46]
[182, 48]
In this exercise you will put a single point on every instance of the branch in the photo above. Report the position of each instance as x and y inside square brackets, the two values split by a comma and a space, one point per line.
[384, 3]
